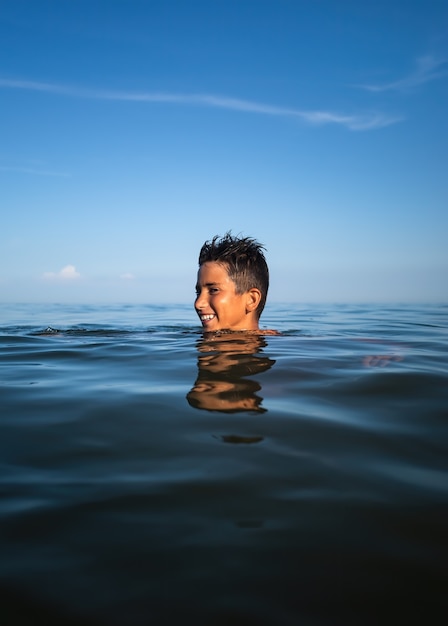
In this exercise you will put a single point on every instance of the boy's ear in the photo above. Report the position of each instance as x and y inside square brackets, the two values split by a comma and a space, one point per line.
[253, 297]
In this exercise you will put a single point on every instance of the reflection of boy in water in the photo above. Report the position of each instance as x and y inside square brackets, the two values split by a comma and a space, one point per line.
[226, 396]
[232, 284]
[224, 362]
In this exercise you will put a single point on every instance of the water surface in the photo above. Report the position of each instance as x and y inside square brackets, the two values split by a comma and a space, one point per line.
[150, 474]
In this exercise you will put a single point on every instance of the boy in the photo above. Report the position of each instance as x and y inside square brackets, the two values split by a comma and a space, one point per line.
[232, 285]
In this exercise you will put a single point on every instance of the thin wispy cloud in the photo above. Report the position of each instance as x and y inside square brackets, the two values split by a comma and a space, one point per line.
[427, 69]
[67, 273]
[368, 121]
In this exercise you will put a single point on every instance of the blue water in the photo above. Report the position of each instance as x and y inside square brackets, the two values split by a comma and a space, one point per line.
[152, 475]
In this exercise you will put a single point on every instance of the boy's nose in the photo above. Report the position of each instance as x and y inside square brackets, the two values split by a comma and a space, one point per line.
[200, 301]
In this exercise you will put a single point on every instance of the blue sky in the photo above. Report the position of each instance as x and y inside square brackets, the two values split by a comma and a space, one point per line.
[132, 131]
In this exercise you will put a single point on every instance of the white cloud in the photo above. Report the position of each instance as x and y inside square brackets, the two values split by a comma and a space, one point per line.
[127, 276]
[353, 122]
[66, 273]
[427, 69]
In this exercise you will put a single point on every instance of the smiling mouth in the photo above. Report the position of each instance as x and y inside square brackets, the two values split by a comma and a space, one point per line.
[205, 319]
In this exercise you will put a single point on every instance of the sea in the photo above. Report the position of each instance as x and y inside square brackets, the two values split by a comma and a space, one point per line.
[152, 474]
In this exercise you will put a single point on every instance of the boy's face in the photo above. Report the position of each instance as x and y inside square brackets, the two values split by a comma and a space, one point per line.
[217, 303]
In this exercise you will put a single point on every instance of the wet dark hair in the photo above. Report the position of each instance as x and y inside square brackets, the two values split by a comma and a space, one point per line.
[244, 261]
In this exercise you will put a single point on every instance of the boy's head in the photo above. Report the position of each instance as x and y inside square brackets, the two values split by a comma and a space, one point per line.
[233, 281]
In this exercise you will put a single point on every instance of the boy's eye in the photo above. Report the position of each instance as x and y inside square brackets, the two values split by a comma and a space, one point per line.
[213, 290]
